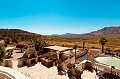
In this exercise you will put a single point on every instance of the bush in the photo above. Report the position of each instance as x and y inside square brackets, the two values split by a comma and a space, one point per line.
[25, 46]
[2, 53]
[78, 74]
[5, 44]
[107, 49]
[10, 50]
[14, 40]
[93, 47]
[59, 68]
[88, 66]
[118, 50]
[20, 46]
[70, 66]
[59, 61]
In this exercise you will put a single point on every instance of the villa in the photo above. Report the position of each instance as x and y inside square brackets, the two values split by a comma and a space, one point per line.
[29, 56]
[58, 50]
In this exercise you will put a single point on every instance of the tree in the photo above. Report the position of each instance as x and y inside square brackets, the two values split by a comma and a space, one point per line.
[69, 66]
[7, 40]
[15, 40]
[103, 42]
[75, 47]
[78, 74]
[59, 61]
[21, 46]
[2, 53]
[39, 45]
[83, 44]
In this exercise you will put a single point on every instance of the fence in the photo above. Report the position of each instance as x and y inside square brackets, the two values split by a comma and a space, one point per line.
[107, 69]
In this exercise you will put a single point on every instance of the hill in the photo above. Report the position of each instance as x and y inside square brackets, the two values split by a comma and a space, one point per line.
[18, 34]
[65, 35]
[112, 34]
[106, 31]
[14, 31]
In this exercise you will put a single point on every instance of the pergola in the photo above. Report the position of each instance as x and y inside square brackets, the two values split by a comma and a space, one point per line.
[59, 48]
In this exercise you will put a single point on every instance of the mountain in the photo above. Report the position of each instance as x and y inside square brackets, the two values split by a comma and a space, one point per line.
[14, 31]
[113, 30]
[18, 34]
[65, 35]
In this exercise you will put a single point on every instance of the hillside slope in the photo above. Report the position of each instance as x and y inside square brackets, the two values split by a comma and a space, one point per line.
[106, 31]
[18, 34]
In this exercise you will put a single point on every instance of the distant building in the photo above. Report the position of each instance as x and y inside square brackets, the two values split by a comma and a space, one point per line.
[29, 56]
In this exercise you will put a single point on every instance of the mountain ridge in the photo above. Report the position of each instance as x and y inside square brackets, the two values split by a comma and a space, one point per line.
[112, 30]
[66, 34]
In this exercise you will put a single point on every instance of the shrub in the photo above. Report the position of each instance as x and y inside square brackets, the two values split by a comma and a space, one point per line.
[78, 74]
[10, 50]
[14, 40]
[59, 61]
[5, 44]
[25, 46]
[2, 53]
[118, 50]
[20, 46]
[70, 66]
[107, 49]
[88, 66]
[93, 47]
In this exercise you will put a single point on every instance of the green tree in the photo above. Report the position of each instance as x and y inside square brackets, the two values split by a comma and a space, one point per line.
[7, 40]
[15, 40]
[78, 74]
[39, 45]
[75, 47]
[59, 62]
[21, 46]
[2, 53]
[103, 42]
[70, 66]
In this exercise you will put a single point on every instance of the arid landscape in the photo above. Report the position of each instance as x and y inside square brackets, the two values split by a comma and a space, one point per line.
[112, 34]
[59, 39]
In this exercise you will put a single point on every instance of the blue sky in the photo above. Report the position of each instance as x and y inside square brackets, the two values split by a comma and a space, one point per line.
[59, 16]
